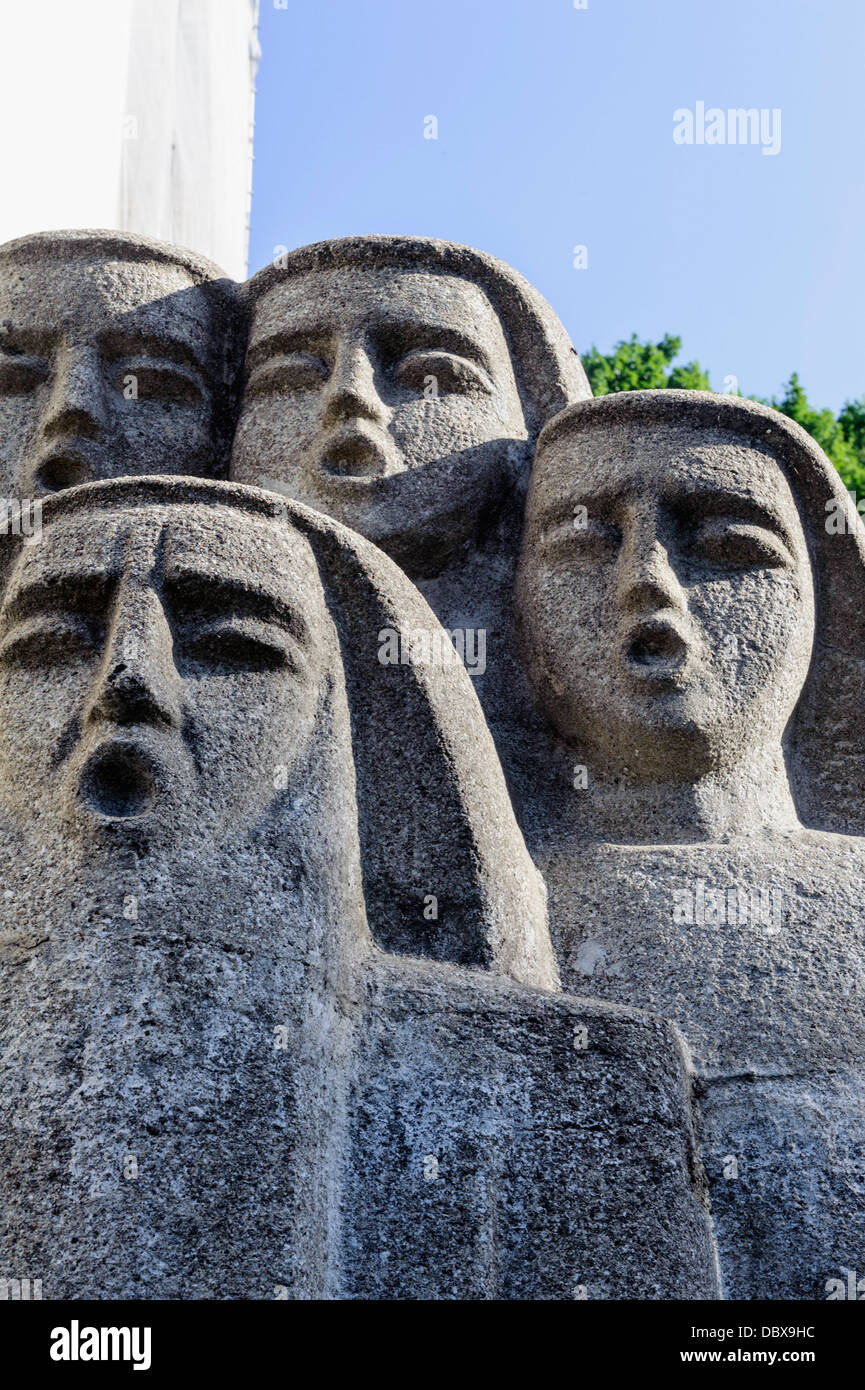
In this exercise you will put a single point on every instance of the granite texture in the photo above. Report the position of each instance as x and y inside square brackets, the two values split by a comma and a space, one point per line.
[692, 631]
[221, 816]
[399, 384]
[118, 355]
[419, 880]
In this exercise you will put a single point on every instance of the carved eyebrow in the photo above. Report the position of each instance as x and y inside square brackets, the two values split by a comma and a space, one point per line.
[58, 590]
[418, 335]
[132, 342]
[562, 509]
[285, 341]
[412, 335]
[64, 590]
[713, 501]
[719, 502]
[32, 342]
[216, 593]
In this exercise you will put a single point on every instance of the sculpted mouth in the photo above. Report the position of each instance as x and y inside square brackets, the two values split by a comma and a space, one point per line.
[118, 782]
[65, 467]
[655, 648]
[360, 452]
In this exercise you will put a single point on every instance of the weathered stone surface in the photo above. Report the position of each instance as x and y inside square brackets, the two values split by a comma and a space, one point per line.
[280, 1012]
[512, 1144]
[118, 355]
[681, 606]
[789, 1215]
[203, 810]
[182, 876]
[398, 384]
[148, 603]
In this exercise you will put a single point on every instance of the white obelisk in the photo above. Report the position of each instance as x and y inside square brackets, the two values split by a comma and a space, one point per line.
[130, 114]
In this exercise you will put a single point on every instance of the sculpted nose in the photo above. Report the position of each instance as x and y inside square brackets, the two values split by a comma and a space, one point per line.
[139, 682]
[351, 391]
[647, 579]
[78, 402]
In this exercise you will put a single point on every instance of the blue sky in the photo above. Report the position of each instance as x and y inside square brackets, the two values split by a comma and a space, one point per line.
[555, 129]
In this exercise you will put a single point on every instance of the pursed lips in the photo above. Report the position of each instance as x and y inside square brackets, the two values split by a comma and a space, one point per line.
[67, 463]
[359, 452]
[656, 648]
[125, 770]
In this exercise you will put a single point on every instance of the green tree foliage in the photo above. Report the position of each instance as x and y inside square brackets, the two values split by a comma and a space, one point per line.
[829, 433]
[636, 366]
[852, 421]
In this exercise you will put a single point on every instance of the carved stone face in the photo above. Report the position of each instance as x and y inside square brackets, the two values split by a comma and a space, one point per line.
[669, 626]
[384, 398]
[105, 371]
[160, 672]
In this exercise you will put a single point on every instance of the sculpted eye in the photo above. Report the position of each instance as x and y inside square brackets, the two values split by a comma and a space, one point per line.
[582, 538]
[738, 544]
[49, 640]
[296, 371]
[452, 374]
[240, 644]
[157, 382]
[20, 374]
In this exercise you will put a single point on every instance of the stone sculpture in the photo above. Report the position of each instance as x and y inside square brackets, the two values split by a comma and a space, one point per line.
[691, 617]
[281, 1005]
[398, 384]
[241, 1057]
[117, 356]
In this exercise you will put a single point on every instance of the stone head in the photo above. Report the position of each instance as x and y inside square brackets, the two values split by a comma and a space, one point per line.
[162, 661]
[117, 357]
[666, 594]
[194, 667]
[398, 385]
